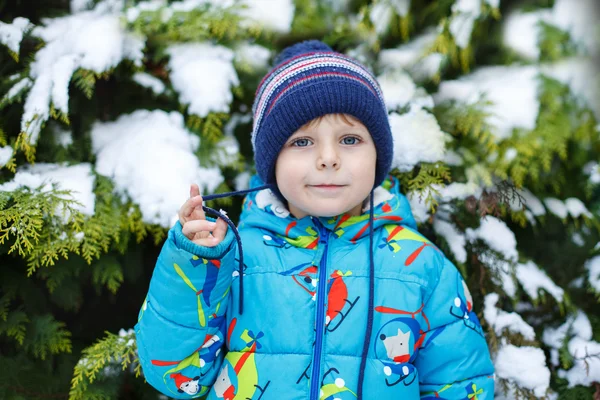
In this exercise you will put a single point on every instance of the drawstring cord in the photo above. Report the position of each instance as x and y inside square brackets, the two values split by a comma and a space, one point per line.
[235, 231]
[369, 330]
[365, 351]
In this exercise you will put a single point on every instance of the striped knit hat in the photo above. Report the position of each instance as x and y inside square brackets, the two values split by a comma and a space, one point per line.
[309, 80]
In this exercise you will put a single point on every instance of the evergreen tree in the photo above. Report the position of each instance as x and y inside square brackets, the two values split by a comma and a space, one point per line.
[109, 109]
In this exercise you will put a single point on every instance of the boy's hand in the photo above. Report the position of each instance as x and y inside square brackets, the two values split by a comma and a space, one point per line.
[194, 223]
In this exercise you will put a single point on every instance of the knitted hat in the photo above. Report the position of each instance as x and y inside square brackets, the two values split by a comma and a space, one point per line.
[309, 80]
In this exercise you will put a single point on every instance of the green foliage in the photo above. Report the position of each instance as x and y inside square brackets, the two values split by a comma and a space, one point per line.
[205, 22]
[97, 360]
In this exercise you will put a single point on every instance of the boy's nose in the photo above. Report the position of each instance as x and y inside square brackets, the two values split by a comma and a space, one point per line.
[328, 158]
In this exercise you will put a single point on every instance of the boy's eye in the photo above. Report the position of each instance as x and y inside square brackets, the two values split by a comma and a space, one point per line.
[300, 142]
[349, 140]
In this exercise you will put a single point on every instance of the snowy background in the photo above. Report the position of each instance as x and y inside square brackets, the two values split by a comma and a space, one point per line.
[152, 155]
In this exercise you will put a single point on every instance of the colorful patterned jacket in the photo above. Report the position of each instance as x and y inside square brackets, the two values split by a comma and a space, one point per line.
[302, 330]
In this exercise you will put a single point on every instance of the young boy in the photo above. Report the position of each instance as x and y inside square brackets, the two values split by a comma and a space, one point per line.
[335, 295]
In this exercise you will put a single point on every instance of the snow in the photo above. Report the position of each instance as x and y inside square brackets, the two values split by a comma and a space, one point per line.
[521, 31]
[127, 151]
[578, 323]
[12, 34]
[556, 207]
[456, 240]
[511, 89]
[146, 80]
[381, 15]
[417, 138]
[592, 169]
[242, 181]
[397, 87]
[272, 15]
[532, 279]
[253, 55]
[17, 88]
[81, 5]
[412, 57]
[63, 137]
[525, 366]
[580, 346]
[581, 75]
[593, 267]
[576, 208]
[501, 320]
[406, 55]
[497, 236]
[133, 13]
[501, 239]
[6, 153]
[92, 40]
[418, 207]
[77, 178]
[464, 14]
[532, 202]
[579, 18]
[203, 75]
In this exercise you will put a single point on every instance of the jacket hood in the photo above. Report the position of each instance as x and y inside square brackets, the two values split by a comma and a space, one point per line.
[263, 210]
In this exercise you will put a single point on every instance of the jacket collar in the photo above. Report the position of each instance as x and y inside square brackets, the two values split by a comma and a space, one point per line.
[263, 210]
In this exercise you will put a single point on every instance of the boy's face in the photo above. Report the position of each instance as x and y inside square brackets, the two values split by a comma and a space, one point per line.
[327, 152]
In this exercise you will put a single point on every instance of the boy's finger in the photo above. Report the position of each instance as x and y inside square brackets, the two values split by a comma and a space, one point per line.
[191, 228]
[194, 190]
[220, 229]
[190, 206]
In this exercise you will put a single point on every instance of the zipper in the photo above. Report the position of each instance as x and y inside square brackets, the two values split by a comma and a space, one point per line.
[316, 370]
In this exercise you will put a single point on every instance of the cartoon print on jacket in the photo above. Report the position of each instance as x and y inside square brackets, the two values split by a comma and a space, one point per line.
[239, 376]
[311, 346]
[397, 343]
[185, 384]
[336, 390]
[337, 292]
[462, 307]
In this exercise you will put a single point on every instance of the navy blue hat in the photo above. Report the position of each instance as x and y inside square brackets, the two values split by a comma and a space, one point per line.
[310, 80]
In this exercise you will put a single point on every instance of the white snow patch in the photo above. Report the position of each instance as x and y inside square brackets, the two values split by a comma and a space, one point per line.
[273, 15]
[593, 267]
[253, 55]
[456, 240]
[412, 57]
[512, 90]
[146, 80]
[533, 279]
[397, 87]
[525, 366]
[464, 14]
[521, 31]
[592, 169]
[17, 88]
[92, 40]
[6, 153]
[496, 234]
[556, 207]
[581, 75]
[11, 34]
[77, 178]
[417, 138]
[203, 75]
[501, 320]
[150, 157]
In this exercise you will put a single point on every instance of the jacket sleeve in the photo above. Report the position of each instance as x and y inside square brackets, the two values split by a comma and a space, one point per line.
[181, 326]
[454, 360]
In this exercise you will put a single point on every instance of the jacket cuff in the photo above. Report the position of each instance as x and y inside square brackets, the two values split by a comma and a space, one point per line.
[213, 253]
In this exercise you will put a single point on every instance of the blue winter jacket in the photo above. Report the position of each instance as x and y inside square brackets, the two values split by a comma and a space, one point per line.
[306, 311]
